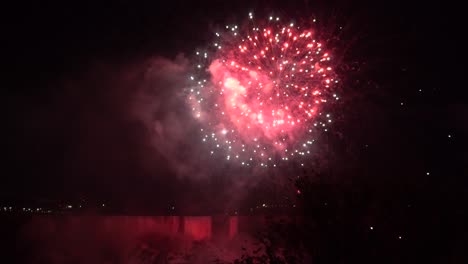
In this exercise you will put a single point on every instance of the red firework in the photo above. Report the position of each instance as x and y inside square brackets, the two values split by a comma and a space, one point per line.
[262, 91]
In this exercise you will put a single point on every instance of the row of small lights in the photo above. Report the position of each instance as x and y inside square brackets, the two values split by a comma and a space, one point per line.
[39, 209]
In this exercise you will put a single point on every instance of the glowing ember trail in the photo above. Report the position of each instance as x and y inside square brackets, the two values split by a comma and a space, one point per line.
[260, 92]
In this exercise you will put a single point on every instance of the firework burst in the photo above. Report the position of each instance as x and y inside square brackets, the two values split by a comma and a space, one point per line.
[261, 92]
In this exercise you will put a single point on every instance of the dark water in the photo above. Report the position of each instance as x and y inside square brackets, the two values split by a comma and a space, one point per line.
[129, 239]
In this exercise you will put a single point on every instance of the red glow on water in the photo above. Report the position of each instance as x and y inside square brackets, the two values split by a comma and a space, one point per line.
[199, 228]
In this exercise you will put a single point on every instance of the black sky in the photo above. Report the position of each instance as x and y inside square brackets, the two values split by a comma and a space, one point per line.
[65, 96]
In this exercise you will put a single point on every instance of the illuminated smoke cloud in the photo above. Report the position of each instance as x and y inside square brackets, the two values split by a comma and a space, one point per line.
[160, 104]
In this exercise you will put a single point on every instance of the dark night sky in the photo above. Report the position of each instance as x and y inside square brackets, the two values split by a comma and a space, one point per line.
[65, 101]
